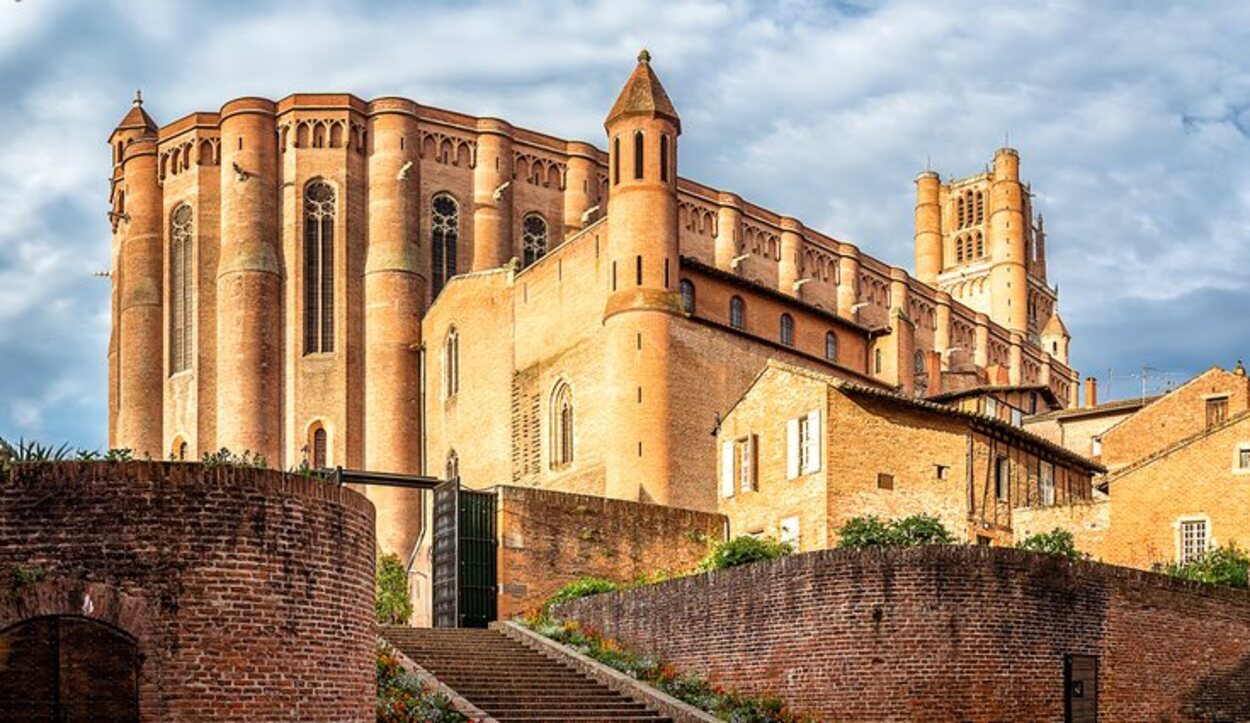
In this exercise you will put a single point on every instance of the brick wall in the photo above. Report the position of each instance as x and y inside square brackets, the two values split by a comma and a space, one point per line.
[548, 539]
[945, 633]
[249, 592]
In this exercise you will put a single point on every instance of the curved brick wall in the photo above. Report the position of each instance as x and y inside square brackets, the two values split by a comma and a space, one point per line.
[250, 592]
[946, 634]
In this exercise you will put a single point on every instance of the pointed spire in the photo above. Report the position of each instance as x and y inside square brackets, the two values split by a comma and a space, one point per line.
[643, 94]
[1055, 326]
[137, 117]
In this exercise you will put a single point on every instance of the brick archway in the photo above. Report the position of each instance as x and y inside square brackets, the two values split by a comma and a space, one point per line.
[68, 668]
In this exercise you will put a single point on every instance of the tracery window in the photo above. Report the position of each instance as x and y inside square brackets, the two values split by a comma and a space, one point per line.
[444, 231]
[534, 235]
[319, 211]
[737, 312]
[787, 330]
[561, 426]
[180, 289]
[687, 295]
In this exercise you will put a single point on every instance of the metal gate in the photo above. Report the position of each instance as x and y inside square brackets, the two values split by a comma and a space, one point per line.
[1080, 682]
[464, 557]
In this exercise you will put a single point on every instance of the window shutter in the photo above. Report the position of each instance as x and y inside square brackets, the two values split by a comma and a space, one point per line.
[727, 469]
[813, 430]
[792, 449]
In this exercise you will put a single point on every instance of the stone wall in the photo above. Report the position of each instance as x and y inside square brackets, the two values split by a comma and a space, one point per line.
[1088, 521]
[548, 539]
[249, 593]
[945, 633]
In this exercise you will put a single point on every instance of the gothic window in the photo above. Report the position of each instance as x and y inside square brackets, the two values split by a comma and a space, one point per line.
[980, 211]
[687, 296]
[319, 210]
[980, 245]
[638, 158]
[561, 426]
[918, 362]
[451, 363]
[787, 330]
[737, 312]
[831, 346]
[959, 249]
[180, 289]
[664, 158]
[444, 230]
[453, 465]
[534, 235]
[959, 212]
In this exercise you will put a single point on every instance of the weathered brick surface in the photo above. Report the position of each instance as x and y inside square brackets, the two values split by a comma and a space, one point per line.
[249, 592]
[548, 539]
[945, 634]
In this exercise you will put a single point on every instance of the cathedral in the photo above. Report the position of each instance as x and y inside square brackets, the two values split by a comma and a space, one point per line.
[388, 286]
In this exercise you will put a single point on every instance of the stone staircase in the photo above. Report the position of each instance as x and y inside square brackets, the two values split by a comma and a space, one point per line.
[512, 682]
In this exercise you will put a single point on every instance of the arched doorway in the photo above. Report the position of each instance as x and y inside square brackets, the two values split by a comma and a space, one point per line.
[68, 668]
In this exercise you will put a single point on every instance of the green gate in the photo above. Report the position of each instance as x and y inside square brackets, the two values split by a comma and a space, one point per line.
[464, 557]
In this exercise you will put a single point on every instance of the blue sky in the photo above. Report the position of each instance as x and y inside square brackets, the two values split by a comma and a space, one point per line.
[1132, 119]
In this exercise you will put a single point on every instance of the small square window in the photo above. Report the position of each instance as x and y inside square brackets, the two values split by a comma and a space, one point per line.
[1217, 411]
[1243, 458]
[984, 541]
[943, 471]
[885, 481]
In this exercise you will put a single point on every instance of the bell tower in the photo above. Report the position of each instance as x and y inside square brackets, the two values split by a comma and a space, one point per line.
[642, 130]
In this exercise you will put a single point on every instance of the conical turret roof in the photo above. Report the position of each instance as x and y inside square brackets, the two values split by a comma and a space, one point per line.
[643, 94]
[137, 117]
[1055, 326]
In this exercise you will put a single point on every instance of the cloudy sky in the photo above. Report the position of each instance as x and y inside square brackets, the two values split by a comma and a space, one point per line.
[1132, 119]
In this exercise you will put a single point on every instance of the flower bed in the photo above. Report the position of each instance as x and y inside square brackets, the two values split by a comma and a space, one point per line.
[403, 698]
[724, 704]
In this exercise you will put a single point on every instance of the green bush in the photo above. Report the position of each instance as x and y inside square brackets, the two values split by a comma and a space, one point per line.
[392, 605]
[871, 531]
[1056, 542]
[1227, 565]
[742, 550]
[581, 587]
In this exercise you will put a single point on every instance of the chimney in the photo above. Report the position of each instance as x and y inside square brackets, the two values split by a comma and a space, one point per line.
[1091, 392]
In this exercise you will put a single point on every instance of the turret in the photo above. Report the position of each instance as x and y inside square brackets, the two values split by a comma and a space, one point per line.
[249, 282]
[581, 189]
[1055, 338]
[788, 273]
[929, 260]
[394, 301]
[492, 196]
[1008, 276]
[642, 130]
[728, 230]
[138, 362]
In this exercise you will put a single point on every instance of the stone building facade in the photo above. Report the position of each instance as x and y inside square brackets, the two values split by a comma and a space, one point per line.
[802, 452]
[385, 285]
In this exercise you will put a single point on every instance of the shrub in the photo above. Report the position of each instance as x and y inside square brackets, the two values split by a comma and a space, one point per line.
[581, 587]
[225, 458]
[1227, 565]
[871, 531]
[742, 550]
[392, 605]
[1056, 542]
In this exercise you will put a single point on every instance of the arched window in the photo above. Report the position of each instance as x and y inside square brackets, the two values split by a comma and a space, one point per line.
[687, 295]
[178, 450]
[444, 230]
[451, 363]
[664, 158]
[616, 160]
[180, 289]
[787, 330]
[453, 465]
[319, 211]
[980, 207]
[959, 208]
[980, 245]
[638, 154]
[534, 235]
[959, 249]
[918, 365]
[737, 312]
[561, 426]
[831, 346]
[319, 444]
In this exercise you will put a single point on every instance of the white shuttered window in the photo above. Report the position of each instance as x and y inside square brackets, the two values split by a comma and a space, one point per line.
[727, 469]
[803, 448]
